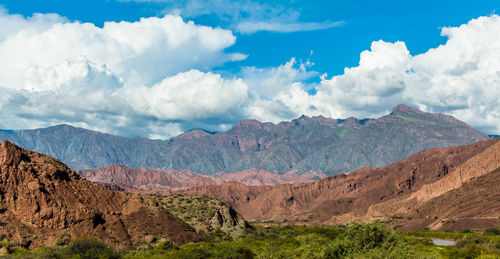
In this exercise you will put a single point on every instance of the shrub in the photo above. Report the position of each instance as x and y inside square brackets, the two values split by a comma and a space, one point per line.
[368, 236]
[469, 251]
[492, 231]
[63, 240]
[90, 248]
[370, 240]
[165, 245]
[48, 252]
[337, 249]
[4, 243]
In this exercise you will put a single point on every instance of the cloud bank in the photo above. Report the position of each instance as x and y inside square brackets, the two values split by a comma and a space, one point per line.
[460, 77]
[123, 74]
[151, 77]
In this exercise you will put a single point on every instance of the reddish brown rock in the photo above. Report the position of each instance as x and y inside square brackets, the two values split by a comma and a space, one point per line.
[409, 189]
[119, 177]
[41, 199]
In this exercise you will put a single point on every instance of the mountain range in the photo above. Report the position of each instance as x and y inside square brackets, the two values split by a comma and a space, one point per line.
[331, 146]
[165, 181]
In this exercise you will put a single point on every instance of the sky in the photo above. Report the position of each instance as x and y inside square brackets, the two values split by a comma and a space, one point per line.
[156, 68]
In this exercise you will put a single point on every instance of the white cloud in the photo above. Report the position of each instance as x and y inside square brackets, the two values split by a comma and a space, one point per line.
[13, 23]
[461, 78]
[142, 52]
[125, 78]
[189, 96]
[86, 94]
[268, 82]
[250, 27]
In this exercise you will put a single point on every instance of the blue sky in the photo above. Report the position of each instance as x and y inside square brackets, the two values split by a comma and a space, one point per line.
[416, 23]
[266, 60]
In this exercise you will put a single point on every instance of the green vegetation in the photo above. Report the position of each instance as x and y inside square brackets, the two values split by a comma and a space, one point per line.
[372, 240]
[413, 117]
[205, 214]
[486, 237]
[302, 131]
[79, 248]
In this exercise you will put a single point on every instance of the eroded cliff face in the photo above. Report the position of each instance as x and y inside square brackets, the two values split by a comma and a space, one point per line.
[479, 165]
[41, 199]
[399, 190]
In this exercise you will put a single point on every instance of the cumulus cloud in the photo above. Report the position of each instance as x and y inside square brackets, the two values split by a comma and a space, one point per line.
[139, 52]
[460, 77]
[190, 96]
[268, 82]
[13, 23]
[126, 77]
[86, 94]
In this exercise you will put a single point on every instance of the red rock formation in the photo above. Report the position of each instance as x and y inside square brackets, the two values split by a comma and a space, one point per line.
[168, 180]
[400, 189]
[41, 199]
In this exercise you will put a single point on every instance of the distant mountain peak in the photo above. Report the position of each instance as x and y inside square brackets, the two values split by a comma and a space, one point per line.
[63, 126]
[195, 133]
[406, 109]
[248, 123]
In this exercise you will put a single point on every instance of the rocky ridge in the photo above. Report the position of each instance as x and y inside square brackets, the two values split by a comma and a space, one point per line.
[411, 190]
[305, 144]
[164, 181]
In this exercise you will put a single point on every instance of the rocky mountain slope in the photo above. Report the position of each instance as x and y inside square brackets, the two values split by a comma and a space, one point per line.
[167, 180]
[42, 199]
[304, 144]
[441, 188]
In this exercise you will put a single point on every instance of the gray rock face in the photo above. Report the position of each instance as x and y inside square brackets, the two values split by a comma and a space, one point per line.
[332, 145]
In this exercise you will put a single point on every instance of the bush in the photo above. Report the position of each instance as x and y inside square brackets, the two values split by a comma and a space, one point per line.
[164, 246]
[370, 240]
[63, 240]
[492, 231]
[48, 253]
[337, 249]
[210, 250]
[369, 236]
[469, 251]
[90, 248]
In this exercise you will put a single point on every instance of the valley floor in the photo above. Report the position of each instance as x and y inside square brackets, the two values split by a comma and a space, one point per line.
[372, 240]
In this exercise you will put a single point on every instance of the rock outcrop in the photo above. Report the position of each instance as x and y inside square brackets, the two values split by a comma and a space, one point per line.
[484, 163]
[205, 214]
[42, 199]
